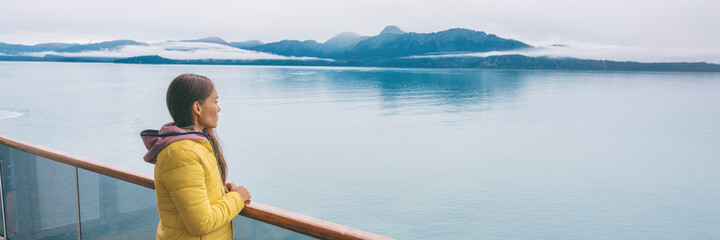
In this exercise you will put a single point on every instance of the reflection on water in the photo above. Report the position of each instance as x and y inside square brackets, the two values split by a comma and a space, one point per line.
[418, 153]
[445, 91]
[399, 91]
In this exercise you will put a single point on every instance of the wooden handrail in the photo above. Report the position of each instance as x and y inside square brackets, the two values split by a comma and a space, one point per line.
[296, 222]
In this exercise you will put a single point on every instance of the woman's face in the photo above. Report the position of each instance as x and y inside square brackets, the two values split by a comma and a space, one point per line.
[209, 111]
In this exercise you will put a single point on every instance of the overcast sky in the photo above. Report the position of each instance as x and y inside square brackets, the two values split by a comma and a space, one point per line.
[690, 24]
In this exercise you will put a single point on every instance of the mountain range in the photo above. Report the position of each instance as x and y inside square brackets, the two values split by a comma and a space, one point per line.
[66, 47]
[391, 42]
[391, 47]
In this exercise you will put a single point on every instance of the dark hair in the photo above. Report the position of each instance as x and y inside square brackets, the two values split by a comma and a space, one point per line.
[182, 93]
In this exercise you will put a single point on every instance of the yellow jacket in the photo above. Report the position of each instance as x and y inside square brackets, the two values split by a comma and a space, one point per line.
[190, 194]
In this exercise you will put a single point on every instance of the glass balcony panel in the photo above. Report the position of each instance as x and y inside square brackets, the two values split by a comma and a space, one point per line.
[115, 209]
[247, 229]
[89, 186]
[40, 196]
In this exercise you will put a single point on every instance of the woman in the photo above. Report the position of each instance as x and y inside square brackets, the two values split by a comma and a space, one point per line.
[193, 199]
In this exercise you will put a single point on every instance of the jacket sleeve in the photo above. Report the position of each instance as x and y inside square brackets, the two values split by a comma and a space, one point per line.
[185, 182]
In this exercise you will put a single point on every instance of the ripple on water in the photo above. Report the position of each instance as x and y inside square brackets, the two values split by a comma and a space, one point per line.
[5, 114]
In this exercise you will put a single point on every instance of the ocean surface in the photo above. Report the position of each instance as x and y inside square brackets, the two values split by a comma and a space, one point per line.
[418, 153]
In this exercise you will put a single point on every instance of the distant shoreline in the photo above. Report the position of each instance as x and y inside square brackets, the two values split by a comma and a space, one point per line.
[510, 62]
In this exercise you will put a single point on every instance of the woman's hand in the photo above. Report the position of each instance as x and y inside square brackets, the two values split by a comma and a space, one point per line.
[230, 187]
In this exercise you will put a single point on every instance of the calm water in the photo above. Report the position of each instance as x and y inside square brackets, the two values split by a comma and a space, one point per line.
[418, 154]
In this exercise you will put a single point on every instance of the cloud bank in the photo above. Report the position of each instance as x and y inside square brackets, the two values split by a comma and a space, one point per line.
[178, 51]
[603, 52]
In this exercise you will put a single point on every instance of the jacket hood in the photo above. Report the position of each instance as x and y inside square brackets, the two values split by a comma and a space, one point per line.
[156, 140]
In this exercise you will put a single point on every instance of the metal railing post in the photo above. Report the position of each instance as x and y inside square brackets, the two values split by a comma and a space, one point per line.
[2, 200]
[77, 201]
